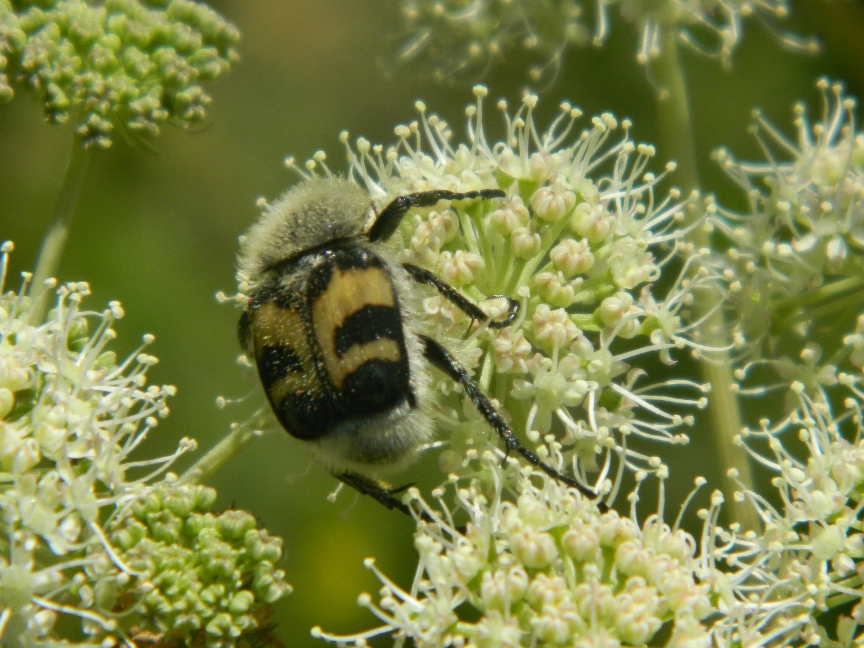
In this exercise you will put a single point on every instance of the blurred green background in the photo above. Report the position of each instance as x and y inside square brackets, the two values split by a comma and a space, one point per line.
[157, 228]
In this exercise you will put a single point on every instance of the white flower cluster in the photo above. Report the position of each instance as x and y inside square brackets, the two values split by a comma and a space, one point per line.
[794, 268]
[462, 37]
[794, 265]
[72, 420]
[544, 570]
[517, 560]
[796, 256]
[809, 556]
[805, 222]
[579, 240]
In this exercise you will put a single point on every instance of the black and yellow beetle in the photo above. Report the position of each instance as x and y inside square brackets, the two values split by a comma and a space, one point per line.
[330, 324]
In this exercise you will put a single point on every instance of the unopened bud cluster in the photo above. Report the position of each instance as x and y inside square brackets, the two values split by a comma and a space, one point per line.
[121, 64]
[198, 574]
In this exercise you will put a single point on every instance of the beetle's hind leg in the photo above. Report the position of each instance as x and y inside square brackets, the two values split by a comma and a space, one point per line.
[441, 358]
[381, 492]
[472, 310]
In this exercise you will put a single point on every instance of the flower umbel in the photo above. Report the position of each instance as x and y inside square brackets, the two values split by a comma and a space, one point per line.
[463, 38]
[797, 253]
[119, 63]
[795, 267]
[709, 27]
[543, 570]
[808, 558]
[579, 240]
[206, 576]
[72, 478]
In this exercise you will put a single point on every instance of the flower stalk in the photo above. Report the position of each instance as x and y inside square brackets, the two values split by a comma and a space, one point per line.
[676, 132]
[55, 239]
[241, 435]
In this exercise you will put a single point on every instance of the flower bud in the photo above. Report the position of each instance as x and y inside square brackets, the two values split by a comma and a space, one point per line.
[526, 242]
[581, 543]
[572, 257]
[554, 289]
[460, 268]
[553, 328]
[511, 350]
[552, 203]
[592, 222]
[511, 215]
[618, 312]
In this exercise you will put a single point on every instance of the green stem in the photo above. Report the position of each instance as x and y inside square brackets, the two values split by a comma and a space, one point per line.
[832, 602]
[676, 130]
[825, 311]
[673, 112]
[828, 293]
[55, 239]
[241, 435]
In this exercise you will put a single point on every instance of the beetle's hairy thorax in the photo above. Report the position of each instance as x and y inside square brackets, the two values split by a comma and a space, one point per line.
[310, 215]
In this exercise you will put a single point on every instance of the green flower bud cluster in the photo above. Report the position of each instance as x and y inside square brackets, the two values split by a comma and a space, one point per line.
[200, 575]
[118, 63]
